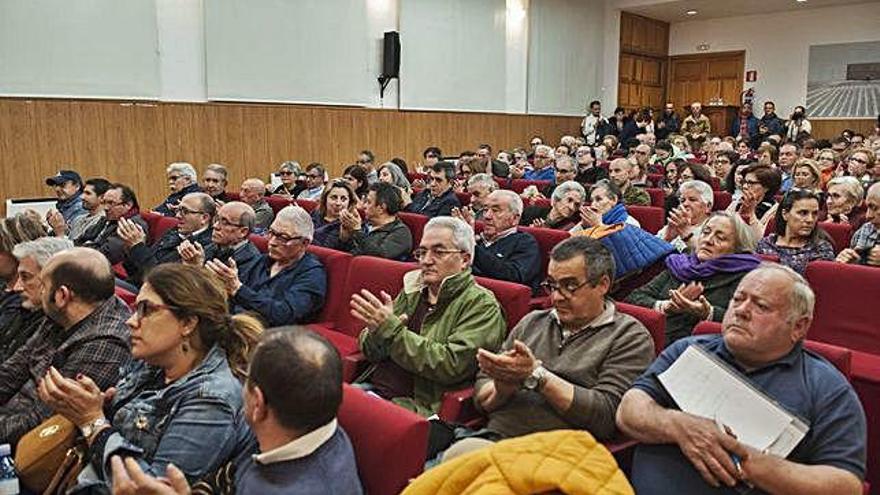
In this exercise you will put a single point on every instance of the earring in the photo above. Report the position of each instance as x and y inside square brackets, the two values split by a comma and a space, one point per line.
[184, 346]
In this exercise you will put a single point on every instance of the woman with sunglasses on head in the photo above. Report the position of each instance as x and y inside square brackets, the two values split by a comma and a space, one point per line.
[290, 186]
[798, 239]
[338, 196]
[180, 401]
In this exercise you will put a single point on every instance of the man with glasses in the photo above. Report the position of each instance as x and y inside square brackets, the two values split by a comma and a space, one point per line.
[253, 193]
[196, 214]
[315, 179]
[423, 343]
[119, 202]
[233, 224]
[865, 245]
[566, 367]
[182, 180]
[438, 199]
[566, 170]
[367, 159]
[285, 286]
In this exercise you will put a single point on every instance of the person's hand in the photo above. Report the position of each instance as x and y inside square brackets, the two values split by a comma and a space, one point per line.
[459, 186]
[590, 217]
[228, 273]
[748, 204]
[874, 256]
[692, 290]
[79, 400]
[371, 310]
[465, 214]
[513, 366]
[707, 448]
[349, 221]
[56, 220]
[698, 306]
[539, 222]
[191, 253]
[517, 171]
[131, 233]
[130, 479]
[848, 255]
[679, 222]
[418, 184]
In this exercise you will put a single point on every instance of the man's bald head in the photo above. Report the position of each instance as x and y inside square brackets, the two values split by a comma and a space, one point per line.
[86, 273]
[252, 190]
[239, 213]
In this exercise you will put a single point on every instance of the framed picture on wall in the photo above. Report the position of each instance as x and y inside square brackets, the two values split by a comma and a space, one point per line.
[843, 80]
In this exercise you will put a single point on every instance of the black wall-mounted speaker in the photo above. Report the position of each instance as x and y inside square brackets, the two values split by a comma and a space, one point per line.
[391, 55]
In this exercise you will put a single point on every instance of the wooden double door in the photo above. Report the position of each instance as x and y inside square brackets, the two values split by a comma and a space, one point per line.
[706, 78]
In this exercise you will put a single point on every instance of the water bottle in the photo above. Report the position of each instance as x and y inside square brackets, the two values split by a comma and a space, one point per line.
[8, 476]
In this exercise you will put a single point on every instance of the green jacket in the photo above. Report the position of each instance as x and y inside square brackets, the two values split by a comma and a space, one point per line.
[718, 290]
[442, 356]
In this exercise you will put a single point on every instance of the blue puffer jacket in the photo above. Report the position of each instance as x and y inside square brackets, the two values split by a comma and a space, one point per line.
[633, 248]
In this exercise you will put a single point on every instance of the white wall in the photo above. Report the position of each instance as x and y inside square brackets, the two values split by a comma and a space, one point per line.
[777, 45]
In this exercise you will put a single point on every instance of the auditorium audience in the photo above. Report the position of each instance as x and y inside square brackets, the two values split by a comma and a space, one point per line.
[621, 171]
[797, 239]
[844, 202]
[384, 236]
[83, 334]
[563, 212]
[180, 400]
[214, 182]
[438, 199]
[685, 222]
[338, 196]
[424, 342]
[196, 214]
[316, 176]
[565, 367]
[285, 286]
[502, 252]
[860, 165]
[120, 204]
[182, 180]
[67, 185]
[289, 172]
[698, 286]
[761, 342]
[233, 223]
[542, 166]
[87, 224]
[566, 170]
[480, 186]
[865, 244]
[253, 193]
[21, 310]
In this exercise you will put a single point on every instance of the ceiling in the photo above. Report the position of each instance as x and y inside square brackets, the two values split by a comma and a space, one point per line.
[674, 10]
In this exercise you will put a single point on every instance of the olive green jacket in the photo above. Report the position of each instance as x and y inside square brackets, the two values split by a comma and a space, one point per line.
[442, 356]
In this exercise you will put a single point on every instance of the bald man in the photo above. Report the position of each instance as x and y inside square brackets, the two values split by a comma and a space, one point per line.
[84, 333]
[253, 193]
[865, 245]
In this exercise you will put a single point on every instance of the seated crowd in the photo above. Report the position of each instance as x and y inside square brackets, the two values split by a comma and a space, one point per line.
[211, 377]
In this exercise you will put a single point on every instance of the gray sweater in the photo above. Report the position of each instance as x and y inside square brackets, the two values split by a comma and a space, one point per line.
[601, 361]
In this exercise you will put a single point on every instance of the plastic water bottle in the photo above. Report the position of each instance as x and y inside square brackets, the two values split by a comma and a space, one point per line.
[8, 476]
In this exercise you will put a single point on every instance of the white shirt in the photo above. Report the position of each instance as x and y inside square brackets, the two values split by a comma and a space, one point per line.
[299, 448]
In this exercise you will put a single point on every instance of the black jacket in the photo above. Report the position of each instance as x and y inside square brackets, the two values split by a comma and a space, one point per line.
[142, 257]
[425, 204]
[514, 258]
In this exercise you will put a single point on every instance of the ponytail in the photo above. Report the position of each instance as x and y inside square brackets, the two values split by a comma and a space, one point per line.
[241, 336]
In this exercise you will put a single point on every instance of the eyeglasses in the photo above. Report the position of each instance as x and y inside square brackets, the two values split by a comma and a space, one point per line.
[222, 222]
[315, 176]
[183, 210]
[535, 143]
[145, 308]
[858, 160]
[286, 239]
[751, 183]
[566, 289]
[435, 252]
[564, 171]
[111, 204]
[437, 179]
[285, 172]
[172, 178]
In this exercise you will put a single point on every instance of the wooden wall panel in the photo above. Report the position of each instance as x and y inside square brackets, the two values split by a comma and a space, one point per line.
[133, 143]
[644, 44]
[701, 77]
[830, 128]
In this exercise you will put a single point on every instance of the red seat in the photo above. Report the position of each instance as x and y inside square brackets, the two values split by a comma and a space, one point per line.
[721, 201]
[389, 441]
[416, 224]
[520, 185]
[513, 298]
[655, 178]
[307, 204]
[233, 196]
[158, 224]
[463, 198]
[840, 233]
[278, 203]
[261, 242]
[658, 197]
[715, 182]
[126, 296]
[845, 296]
[413, 176]
[650, 217]
[654, 321]
[336, 263]
[540, 202]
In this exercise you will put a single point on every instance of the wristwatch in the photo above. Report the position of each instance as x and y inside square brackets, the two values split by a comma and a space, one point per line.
[91, 427]
[537, 379]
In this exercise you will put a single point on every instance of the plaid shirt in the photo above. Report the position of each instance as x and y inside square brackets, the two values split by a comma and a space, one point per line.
[866, 237]
[96, 346]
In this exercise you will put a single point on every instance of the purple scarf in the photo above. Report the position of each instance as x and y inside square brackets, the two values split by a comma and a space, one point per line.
[687, 268]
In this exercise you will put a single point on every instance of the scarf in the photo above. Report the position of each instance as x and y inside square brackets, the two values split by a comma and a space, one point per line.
[688, 268]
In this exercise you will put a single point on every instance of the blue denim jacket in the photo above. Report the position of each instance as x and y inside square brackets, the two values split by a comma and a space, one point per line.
[196, 422]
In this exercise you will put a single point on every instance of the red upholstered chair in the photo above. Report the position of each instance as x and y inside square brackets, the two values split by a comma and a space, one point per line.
[261, 242]
[307, 204]
[845, 313]
[416, 224]
[650, 217]
[547, 240]
[840, 234]
[278, 203]
[336, 263]
[540, 202]
[160, 224]
[126, 296]
[654, 321]
[658, 197]
[716, 183]
[463, 198]
[520, 185]
[655, 178]
[514, 298]
[412, 176]
[389, 441]
[722, 200]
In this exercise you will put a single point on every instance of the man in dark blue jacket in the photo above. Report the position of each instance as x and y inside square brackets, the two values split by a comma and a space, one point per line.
[438, 199]
[502, 252]
[182, 180]
[286, 286]
[770, 124]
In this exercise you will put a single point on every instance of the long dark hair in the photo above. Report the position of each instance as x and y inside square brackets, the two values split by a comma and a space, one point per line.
[788, 200]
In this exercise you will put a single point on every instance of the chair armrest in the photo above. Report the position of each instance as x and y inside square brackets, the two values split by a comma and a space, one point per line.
[353, 365]
[457, 407]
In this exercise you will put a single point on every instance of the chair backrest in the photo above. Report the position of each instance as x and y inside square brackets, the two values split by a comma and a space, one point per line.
[158, 224]
[464, 198]
[540, 202]
[654, 321]
[840, 233]
[650, 217]
[514, 298]
[721, 201]
[416, 224]
[845, 314]
[547, 240]
[840, 357]
[655, 178]
[336, 263]
[520, 185]
[307, 204]
[389, 441]
[260, 242]
[127, 297]
[277, 203]
[658, 197]
[372, 274]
